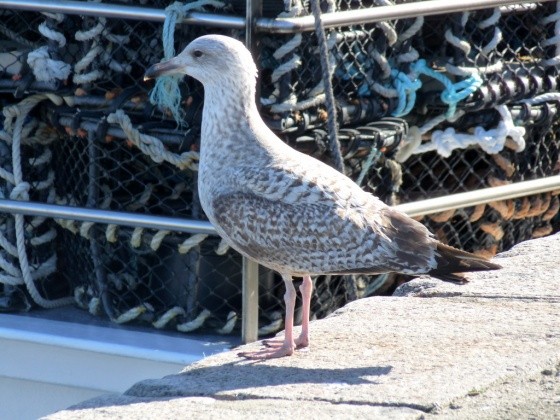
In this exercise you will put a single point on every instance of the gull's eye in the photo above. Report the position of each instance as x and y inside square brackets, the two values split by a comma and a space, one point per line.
[197, 53]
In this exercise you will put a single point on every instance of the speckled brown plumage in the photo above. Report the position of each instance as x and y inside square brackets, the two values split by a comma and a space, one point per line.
[287, 210]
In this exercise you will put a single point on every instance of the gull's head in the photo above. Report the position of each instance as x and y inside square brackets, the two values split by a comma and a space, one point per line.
[211, 59]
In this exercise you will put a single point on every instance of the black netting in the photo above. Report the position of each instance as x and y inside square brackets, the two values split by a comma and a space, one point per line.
[426, 107]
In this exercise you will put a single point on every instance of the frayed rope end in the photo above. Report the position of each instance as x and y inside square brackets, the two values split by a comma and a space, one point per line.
[166, 94]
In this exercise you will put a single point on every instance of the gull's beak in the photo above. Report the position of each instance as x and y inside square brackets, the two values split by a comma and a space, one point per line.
[161, 69]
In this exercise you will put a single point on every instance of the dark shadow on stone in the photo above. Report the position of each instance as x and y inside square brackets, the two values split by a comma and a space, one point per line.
[236, 376]
[207, 381]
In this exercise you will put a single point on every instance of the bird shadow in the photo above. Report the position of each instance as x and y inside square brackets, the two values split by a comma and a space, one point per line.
[243, 377]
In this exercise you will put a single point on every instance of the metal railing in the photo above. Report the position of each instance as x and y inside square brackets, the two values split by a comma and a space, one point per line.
[262, 24]
[255, 23]
[416, 208]
[250, 269]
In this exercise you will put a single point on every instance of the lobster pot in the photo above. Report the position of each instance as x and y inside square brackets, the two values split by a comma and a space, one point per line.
[128, 273]
[494, 227]
[469, 93]
[28, 257]
[425, 107]
[165, 288]
[414, 68]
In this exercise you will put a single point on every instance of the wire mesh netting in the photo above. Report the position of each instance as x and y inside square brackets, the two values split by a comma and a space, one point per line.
[427, 107]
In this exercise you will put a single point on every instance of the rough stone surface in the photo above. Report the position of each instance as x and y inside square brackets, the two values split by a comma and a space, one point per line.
[433, 350]
[535, 396]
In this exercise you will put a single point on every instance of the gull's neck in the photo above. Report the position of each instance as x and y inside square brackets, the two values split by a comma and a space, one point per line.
[230, 110]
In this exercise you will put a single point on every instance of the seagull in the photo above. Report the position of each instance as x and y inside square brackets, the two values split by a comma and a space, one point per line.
[287, 210]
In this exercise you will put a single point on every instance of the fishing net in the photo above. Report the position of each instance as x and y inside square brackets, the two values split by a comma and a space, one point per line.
[427, 107]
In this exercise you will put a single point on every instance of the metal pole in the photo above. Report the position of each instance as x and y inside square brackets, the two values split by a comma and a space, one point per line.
[250, 269]
[486, 195]
[106, 216]
[117, 11]
[250, 301]
[417, 208]
[278, 25]
[382, 13]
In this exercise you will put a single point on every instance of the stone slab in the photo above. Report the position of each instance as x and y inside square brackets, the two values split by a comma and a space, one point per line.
[405, 356]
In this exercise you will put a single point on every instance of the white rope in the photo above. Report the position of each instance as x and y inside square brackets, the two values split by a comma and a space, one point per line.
[288, 47]
[143, 199]
[66, 223]
[389, 32]
[85, 228]
[316, 95]
[491, 141]
[136, 238]
[195, 323]
[457, 42]
[98, 54]
[94, 306]
[46, 268]
[133, 313]
[79, 76]
[111, 233]
[152, 146]
[383, 63]
[545, 97]
[464, 46]
[47, 237]
[191, 242]
[411, 30]
[15, 117]
[223, 248]
[52, 34]
[59, 17]
[42, 159]
[46, 69]
[46, 183]
[277, 321]
[158, 238]
[168, 316]
[91, 33]
[292, 64]
[231, 320]
[11, 274]
[555, 40]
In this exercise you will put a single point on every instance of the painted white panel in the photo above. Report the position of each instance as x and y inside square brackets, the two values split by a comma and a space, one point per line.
[29, 400]
[47, 365]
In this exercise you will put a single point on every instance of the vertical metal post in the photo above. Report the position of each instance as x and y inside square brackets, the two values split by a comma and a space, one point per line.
[250, 301]
[250, 271]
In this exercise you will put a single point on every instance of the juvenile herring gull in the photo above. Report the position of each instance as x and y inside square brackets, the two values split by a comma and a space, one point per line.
[287, 210]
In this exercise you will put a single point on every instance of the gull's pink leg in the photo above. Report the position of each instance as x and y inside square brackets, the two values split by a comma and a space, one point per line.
[288, 345]
[303, 340]
[306, 288]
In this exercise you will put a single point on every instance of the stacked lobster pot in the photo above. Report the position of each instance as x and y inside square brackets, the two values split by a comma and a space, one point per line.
[425, 107]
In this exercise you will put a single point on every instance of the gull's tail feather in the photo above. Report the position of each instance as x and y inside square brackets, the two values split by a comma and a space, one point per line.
[451, 262]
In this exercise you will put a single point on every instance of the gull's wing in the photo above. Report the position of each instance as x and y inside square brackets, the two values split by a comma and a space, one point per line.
[294, 223]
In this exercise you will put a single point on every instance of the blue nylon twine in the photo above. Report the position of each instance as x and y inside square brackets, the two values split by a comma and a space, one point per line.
[453, 92]
[166, 92]
[406, 90]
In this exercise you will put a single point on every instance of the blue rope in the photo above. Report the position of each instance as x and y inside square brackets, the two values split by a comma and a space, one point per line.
[453, 92]
[406, 90]
[166, 92]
